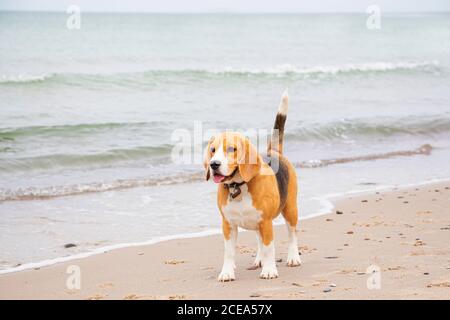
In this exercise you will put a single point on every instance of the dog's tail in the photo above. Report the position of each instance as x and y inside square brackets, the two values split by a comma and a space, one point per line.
[276, 141]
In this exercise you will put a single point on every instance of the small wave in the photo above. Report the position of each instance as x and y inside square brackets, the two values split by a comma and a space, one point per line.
[422, 150]
[33, 193]
[353, 129]
[83, 160]
[77, 129]
[374, 67]
[346, 128]
[24, 78]
[286, 70]
[377, 127]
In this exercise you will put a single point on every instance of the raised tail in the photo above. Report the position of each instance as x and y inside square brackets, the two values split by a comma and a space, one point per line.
[276, 141]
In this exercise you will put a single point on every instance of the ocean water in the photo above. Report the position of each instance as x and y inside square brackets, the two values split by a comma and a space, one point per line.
[87, 117]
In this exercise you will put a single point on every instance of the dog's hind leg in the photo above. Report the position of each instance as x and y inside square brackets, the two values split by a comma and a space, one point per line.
[257, 262]
[290, 214]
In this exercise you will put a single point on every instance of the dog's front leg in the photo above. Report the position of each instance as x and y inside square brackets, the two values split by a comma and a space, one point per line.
[230, 236]
[269, 267]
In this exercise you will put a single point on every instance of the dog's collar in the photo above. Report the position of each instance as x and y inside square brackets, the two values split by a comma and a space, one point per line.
[235, 186]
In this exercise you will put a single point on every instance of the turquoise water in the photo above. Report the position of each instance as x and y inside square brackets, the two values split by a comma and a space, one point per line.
[87, 116]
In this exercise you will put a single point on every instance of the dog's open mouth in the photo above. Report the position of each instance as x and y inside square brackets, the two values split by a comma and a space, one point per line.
[218, 178]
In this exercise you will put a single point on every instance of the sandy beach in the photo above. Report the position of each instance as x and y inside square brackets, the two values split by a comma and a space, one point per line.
[400, 234]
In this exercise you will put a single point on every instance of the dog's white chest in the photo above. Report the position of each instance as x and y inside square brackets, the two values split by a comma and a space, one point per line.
[242, 213]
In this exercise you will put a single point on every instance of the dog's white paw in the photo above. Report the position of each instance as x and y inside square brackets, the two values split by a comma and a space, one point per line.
[294, 261]
[225, 276]
[293, 257]
[269, 272]
[227, 273]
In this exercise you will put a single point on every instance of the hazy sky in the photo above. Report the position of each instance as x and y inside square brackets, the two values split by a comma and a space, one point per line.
[228, 5]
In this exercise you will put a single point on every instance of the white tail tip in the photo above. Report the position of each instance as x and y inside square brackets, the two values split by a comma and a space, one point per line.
[283, 107]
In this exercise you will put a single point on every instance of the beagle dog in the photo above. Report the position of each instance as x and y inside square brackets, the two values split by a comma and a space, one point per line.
[252, 192]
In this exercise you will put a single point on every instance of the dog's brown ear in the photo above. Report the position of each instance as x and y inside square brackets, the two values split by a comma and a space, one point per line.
[250, 161]
[208, 174]
[207, 159]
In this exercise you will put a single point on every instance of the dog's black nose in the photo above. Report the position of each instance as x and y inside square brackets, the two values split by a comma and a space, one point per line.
[215, 164]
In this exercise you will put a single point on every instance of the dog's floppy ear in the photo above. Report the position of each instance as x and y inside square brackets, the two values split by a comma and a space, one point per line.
[249, 162]
[207, 158]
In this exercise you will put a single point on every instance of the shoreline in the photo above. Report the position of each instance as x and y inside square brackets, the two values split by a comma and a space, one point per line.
[328, 206]
[187, 268]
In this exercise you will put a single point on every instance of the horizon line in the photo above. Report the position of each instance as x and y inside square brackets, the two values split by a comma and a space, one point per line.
[219, 12]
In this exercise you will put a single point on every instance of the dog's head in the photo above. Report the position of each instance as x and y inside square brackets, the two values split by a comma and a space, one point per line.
[230, 157]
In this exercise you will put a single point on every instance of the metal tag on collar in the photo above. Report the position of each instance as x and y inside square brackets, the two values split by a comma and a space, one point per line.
[236, 191]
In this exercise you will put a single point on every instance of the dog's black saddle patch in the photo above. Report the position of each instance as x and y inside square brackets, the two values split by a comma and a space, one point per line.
[282, 175]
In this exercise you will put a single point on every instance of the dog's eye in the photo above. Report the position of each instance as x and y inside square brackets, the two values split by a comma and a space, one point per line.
[213, 149]
[231, 149]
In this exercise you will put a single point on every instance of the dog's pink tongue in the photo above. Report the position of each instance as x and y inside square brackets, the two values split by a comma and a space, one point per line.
[218, 178]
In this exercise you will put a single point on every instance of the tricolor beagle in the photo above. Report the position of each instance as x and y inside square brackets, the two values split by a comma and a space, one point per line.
[251, 193]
